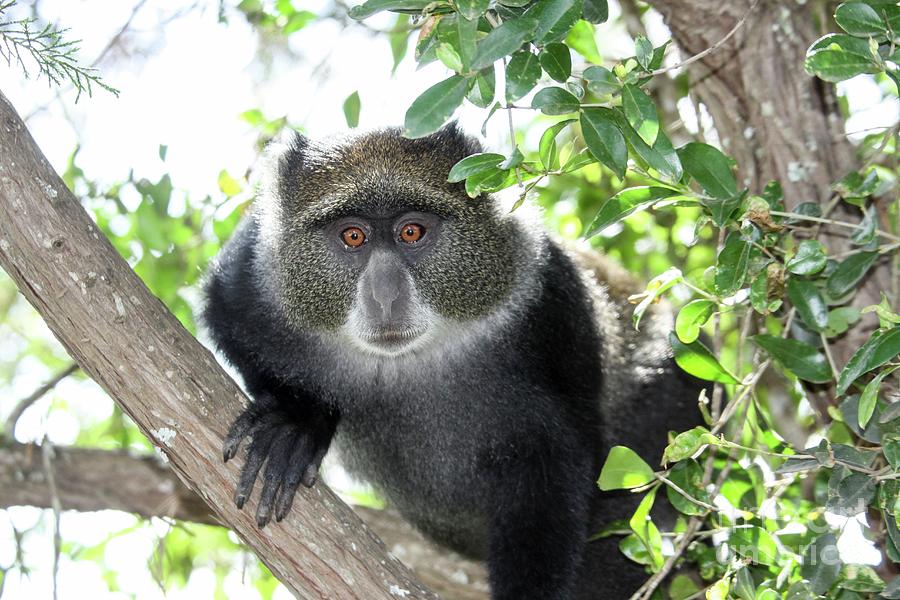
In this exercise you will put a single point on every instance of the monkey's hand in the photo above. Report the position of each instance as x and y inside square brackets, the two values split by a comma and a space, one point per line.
[291, 440]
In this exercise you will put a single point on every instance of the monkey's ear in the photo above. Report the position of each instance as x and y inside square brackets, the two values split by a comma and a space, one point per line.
[284, 161]
[452, 141]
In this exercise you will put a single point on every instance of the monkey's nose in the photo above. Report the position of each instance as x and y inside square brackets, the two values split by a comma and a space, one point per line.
[385, 293]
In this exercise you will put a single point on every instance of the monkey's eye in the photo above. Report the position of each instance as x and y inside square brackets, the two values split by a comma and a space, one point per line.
[353, 237]
[412, 233]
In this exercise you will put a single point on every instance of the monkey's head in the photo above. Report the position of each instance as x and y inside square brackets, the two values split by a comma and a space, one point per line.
[368, 239]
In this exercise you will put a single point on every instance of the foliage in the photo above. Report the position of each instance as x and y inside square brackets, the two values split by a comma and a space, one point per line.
[766, 274]
[53, 56]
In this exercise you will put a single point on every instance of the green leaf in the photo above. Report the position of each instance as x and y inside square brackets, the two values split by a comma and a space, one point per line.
[641, 113]
[486, 181]
[686, 444]
[503, 41]
[522, 74]
[656, 287]
[555, 101]
[466, 34]
[604, 139]
[821, 563]
[623, 470]
[623, 204]
[646, 530]
[601, 81]
[643, 53]
[696, 359]
[581, 40]
[691, 318]
[228, 184]
[719, 590]
[371, 7]
[557, 61]
[596, 11]
[837, 57]
[809, 260]
[853, 495]
[884, 345]
[859, 19]
[482, 88]
[163, 150]
[682, 588]
[661, 156]
[810, 305]
[840, 319]
[687, 475]
[556, 18]
[849, 273]
[472, 9]
[800, 358]
[352, 107]
[634, 549]
[434, 107]
[547, 149]
[448, 55]
[869, 397]
[744, 587]
[710, 168]
[476, 163]
[754, 543]
[731, 265]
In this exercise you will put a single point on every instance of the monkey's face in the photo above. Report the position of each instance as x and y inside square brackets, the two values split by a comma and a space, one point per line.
[375, 246]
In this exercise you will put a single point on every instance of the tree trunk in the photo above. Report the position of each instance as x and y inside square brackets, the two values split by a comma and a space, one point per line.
[169, 384]
[773, 118]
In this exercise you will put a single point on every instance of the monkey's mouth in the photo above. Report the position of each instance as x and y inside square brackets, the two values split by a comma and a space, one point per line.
[391, 340]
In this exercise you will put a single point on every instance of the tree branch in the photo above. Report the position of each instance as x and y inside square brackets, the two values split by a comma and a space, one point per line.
[90, 479]
[169, 384]
[23, 404]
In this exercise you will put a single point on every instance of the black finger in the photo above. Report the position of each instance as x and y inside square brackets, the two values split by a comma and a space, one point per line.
[311, 473]
[259, 449]
[279, 460]
[238, 431]
[299, 461]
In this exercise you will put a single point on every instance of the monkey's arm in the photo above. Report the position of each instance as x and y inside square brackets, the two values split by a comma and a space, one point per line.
[539, 525]
[290, 428]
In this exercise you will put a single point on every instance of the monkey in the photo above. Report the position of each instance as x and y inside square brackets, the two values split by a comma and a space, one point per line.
[471, 367]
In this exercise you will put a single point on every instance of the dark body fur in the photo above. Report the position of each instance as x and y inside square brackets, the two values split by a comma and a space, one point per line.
[490, 441]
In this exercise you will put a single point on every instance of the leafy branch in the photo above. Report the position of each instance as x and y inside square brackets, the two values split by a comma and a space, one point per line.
[25, 43]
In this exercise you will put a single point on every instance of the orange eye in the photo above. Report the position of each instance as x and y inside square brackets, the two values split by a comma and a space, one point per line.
[353, 237]
[412, 233]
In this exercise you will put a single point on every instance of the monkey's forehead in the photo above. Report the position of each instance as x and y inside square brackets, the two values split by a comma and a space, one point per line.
[381, 192]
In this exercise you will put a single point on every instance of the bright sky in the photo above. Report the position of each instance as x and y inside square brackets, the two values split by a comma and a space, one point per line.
[187, 93]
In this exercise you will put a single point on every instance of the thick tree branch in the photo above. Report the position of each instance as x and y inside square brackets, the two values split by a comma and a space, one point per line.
[171, 386]
[89, 480]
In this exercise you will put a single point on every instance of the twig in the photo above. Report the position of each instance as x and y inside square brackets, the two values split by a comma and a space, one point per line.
[36, 395]
[46, 450]
[793, 215]
[678, 489]
[711, 49]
